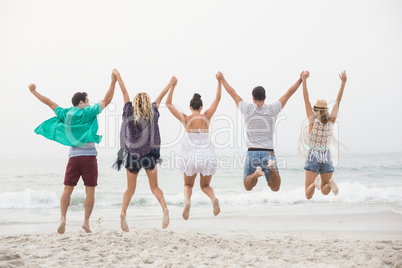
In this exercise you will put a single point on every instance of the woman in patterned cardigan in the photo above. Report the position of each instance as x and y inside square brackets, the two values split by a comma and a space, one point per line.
[140, 145]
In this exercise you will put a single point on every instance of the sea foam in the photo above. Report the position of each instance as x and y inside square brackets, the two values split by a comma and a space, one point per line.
[349, 193]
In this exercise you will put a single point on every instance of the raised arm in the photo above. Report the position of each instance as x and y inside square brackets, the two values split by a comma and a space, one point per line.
[109, 94]
[176, 113]
[228, 88]
[45, 100]
[284, 99]
[126, 97]
[309, 110]
[210, 112]
[335, 109]
[172, 81]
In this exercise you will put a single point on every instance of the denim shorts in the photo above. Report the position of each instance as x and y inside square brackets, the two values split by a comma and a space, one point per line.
[319, 162]
[256, 159]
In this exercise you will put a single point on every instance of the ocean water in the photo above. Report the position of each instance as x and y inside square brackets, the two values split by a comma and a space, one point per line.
[30, 194]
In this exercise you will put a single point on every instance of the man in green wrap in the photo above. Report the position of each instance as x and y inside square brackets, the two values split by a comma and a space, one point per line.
[76, 127]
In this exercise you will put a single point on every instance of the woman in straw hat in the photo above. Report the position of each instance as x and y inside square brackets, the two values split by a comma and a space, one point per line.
[320, 129]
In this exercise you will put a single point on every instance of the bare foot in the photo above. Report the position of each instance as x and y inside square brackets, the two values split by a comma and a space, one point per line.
[123, 223]
[271, 165]
[86, 228]
[165, 221]
[317, 182]
[186, 211]
[62, 227]
[259, 172]
[215, 204]
[334, 187]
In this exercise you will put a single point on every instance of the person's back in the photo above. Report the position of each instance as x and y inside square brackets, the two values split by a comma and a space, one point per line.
[260, 123]
[80, 125]
[139, 135]
[197, 123]
[74, 126]
[76, 115]
[320, 135]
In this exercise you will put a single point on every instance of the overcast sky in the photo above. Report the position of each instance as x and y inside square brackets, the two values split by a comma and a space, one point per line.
[70, 46]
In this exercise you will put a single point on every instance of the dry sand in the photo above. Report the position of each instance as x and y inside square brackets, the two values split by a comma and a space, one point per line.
[214, 246]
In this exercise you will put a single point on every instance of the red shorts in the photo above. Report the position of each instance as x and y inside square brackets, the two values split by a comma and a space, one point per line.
[85, 166]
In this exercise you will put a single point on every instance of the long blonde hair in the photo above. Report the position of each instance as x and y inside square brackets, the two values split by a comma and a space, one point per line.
[322, 115]
[142, 107]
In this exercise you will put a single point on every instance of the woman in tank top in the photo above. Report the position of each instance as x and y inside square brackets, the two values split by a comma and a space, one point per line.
[197, 154]
[320, 129]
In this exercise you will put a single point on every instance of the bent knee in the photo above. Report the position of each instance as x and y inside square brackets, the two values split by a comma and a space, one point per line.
[309, 196]
[248, 187]
[275, 188]
[325, 189]
[325, 192]
[203, 187]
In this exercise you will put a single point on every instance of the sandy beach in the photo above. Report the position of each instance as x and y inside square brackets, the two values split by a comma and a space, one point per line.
[360, 227]
[366, 240]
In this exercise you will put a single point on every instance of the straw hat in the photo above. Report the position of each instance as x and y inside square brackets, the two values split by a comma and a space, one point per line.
[321, 105]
